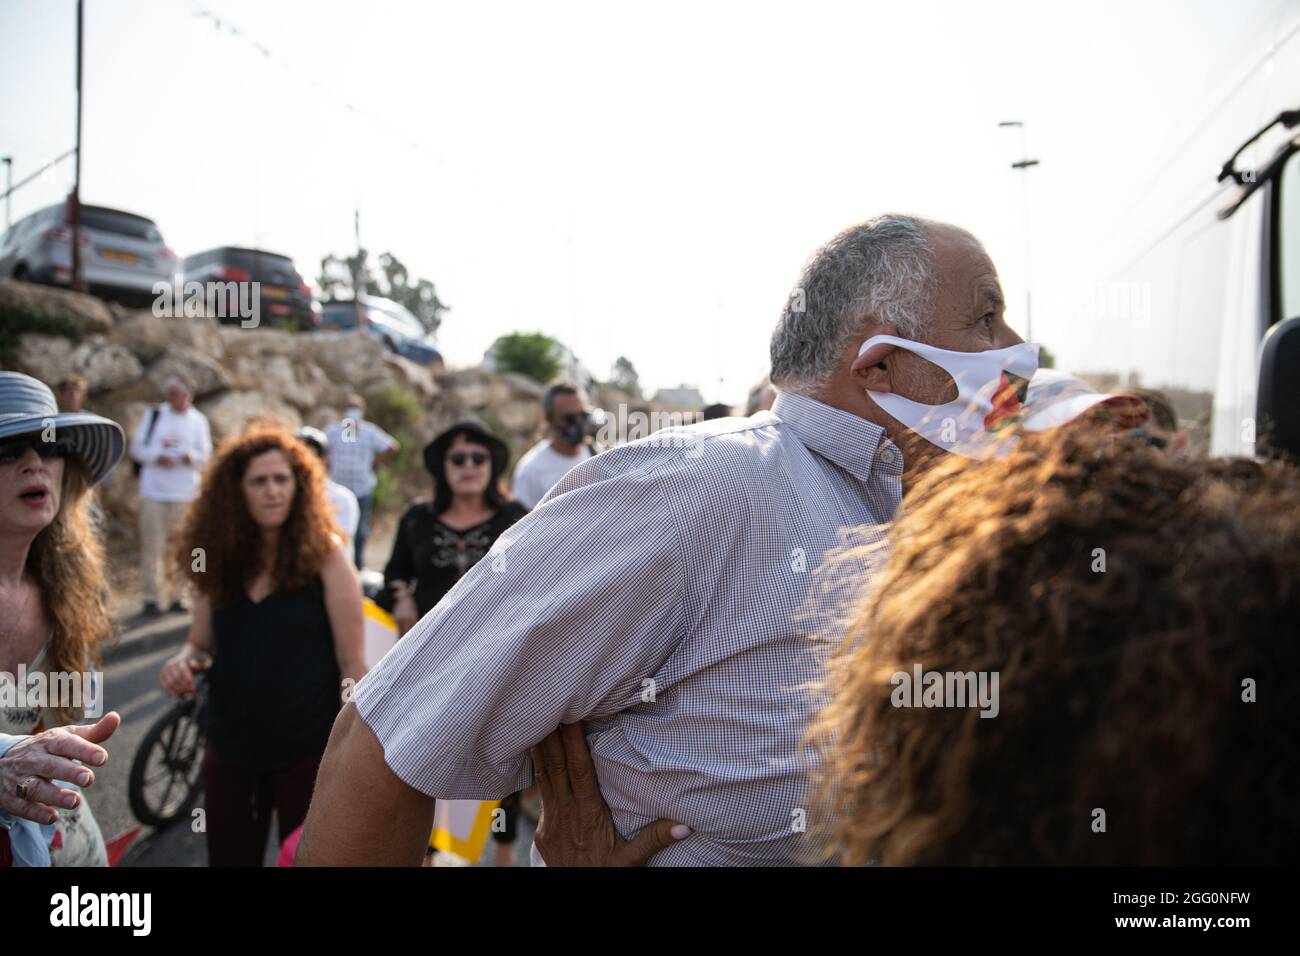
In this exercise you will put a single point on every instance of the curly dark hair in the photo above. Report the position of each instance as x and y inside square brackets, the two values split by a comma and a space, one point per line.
[1122, 690]
[219, 522]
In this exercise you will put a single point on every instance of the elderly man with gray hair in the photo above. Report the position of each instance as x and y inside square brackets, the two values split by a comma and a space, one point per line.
[661, 593]
[170, 446]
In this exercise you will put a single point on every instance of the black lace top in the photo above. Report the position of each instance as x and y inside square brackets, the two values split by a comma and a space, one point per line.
[435, 556]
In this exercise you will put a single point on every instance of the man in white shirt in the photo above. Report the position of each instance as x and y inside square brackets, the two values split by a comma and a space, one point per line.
[543, 465]
[347, 513]
[357, 447]
[171, 444]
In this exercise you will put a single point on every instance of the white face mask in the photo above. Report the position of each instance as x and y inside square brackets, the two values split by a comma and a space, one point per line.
[353, 413]
[971, 424]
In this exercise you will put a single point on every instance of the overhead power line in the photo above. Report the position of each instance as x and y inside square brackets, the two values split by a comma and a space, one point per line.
[23, 182]
[334, 97]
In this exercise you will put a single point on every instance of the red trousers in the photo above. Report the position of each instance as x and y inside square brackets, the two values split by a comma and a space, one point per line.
[239, 802]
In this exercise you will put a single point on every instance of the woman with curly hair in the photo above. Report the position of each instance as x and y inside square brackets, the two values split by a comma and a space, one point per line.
[278, 625]
[53, 617]
[1140, 614]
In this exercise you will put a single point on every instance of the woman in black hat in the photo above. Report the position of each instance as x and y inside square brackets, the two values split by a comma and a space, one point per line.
[53, 616]
[439, 540]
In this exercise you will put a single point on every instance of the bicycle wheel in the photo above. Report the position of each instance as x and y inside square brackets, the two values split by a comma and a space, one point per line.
[165, 778]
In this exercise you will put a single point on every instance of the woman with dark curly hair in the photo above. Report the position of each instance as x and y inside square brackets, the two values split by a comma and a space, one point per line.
[1131, 608]
[277, 623]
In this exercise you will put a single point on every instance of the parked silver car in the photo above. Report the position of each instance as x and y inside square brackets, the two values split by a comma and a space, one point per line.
[122, 254]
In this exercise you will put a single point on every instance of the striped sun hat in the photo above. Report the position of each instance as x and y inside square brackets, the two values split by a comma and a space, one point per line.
[27, 406]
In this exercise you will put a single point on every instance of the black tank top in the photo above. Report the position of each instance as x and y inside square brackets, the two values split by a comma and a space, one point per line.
[274, 683]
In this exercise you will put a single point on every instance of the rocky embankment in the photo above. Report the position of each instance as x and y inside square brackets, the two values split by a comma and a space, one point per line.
[244, 374]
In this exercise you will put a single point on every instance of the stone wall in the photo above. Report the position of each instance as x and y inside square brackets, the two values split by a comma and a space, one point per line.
[243, 374]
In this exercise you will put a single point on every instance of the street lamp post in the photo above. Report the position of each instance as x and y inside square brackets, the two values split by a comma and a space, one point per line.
[1023, 165]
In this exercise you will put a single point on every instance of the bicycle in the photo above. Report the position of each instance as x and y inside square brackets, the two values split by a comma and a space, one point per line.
[166, 773]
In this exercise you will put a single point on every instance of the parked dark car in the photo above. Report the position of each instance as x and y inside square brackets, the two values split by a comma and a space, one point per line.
[392, 322]
[286, 300]
[122, 255]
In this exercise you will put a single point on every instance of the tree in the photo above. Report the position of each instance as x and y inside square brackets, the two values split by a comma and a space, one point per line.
[538, 356]
[421, 299]
[623, 376]
[341, 276]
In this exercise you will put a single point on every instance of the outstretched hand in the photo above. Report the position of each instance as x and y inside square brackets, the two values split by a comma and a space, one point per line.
[31, 766]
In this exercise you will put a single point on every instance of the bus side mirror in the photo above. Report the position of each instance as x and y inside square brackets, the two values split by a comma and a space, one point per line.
[1278, 410]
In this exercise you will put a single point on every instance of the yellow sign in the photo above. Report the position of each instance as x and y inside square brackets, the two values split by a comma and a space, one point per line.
[462, 826]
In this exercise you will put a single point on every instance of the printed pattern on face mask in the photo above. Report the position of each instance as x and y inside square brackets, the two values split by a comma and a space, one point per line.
[990, 388]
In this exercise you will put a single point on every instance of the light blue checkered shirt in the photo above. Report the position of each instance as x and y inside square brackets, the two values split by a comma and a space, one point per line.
[660, 592]
[352, 447]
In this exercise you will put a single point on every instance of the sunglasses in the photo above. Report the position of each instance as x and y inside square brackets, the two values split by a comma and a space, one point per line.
[459, 458]
[14, 449]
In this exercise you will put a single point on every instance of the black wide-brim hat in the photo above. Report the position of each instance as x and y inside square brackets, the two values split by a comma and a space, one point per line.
[435, 453]
[27, 407]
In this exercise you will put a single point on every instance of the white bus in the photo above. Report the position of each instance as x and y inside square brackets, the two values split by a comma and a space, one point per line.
[1216, 264]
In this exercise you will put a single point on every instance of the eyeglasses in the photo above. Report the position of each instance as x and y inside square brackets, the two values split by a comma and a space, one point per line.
[459, 458]
[15, 448]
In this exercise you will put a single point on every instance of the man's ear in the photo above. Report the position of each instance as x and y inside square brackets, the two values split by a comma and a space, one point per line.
[871, 369]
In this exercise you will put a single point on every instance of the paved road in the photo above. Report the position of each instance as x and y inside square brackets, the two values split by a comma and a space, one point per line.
[131, 688]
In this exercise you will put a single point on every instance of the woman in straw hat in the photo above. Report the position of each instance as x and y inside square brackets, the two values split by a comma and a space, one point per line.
[53, 619]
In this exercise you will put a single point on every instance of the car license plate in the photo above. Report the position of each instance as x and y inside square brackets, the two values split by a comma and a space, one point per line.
[275, 292]
[117, 255]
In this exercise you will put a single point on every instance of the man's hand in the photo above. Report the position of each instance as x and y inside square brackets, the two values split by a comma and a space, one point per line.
[405, 614]
[576, 828]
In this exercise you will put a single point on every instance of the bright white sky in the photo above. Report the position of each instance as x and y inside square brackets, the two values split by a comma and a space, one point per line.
[641, 180]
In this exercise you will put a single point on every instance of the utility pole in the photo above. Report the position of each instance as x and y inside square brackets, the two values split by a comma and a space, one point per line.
[358, 271]
[75, 211]
[1023, 165]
